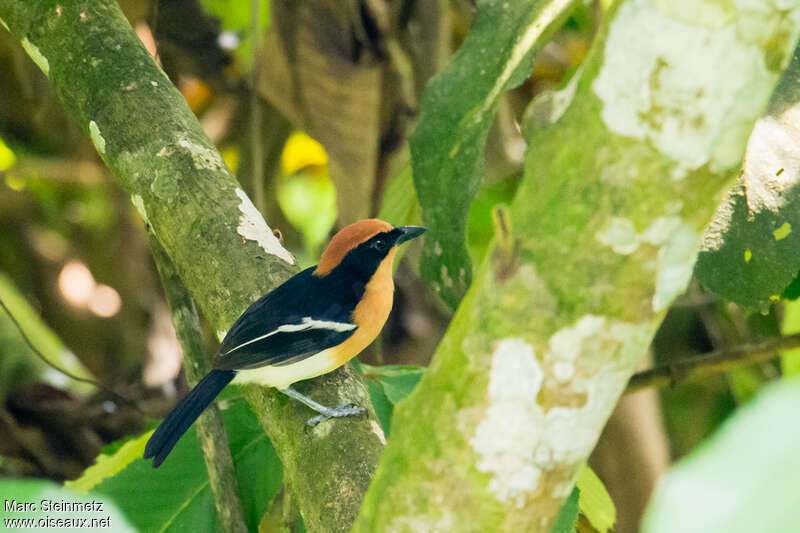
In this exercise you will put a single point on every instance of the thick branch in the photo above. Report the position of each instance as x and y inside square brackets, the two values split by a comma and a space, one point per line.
[621, 177]
[711, 363]
[196, 363]
[220, 245]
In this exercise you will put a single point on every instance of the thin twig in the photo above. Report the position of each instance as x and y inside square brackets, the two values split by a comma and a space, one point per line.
[60, 370]
[712, 363]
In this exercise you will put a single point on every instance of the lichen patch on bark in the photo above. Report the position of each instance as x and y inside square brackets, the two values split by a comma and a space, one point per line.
[648, 47]
[535, 424]
[253, 227]
[676, 260]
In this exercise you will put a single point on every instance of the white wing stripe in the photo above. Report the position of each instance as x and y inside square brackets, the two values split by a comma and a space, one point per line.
[307, 323]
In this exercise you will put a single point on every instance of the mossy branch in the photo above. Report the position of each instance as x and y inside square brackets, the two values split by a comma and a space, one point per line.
[221, 248]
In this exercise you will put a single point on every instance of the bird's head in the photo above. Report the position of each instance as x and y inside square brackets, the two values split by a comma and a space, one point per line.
[365, 245]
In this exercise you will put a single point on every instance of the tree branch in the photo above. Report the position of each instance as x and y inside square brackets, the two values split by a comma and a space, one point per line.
[221, 248]
[196, 364]
[711, 363]
[602, 235]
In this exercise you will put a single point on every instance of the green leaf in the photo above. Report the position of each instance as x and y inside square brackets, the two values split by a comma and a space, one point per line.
[383, 407]
[565, 523]
[39, 493]
[7, 158]
[109, 465]
[400, 386]
[308, 199]
[595, 503]
[790, 359]
[457, 110]
[743, 479]
[388, 384]
[177, 495]
[752, 247]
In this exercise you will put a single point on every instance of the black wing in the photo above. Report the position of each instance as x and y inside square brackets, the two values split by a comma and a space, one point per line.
[301, 317]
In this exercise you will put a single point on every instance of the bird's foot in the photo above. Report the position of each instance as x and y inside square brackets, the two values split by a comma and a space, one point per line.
[347, 409]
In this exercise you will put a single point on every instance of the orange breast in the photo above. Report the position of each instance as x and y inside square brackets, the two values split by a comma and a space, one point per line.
[371, 313]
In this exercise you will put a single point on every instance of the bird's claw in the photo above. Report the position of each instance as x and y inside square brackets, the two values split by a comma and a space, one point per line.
[347, 409]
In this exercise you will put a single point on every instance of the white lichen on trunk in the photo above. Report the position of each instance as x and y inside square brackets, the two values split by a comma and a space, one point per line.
[676, 260]
[202, 157]
[507, 437]
[252, 226]
[523, 434]
[655, 86]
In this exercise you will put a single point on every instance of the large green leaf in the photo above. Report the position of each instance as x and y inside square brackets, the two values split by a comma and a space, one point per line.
[743, 480]
[457, 110]
[44, 503]
[177, 495]
[751, 251]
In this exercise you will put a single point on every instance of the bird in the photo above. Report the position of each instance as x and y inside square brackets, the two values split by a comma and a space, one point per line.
[311, 324]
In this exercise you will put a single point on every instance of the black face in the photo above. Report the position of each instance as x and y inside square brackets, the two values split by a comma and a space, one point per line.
[365, 258]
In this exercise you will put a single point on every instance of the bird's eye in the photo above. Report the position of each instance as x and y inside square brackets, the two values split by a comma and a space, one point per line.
[379, 245]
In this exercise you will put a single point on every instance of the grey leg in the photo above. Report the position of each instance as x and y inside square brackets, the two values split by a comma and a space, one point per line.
[324, 412]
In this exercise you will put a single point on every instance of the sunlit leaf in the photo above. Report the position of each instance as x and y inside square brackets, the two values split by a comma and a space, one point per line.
[457, 111]
[743, 479]
[109, 465]
[309, 202]
[594, 502]
[305, 192]
[231, 156]
[7, 158]
[790, 359]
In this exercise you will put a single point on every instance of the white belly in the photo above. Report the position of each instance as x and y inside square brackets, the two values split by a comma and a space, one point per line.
[282, 376]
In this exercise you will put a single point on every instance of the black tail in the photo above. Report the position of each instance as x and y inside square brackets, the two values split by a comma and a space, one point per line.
[184, 414]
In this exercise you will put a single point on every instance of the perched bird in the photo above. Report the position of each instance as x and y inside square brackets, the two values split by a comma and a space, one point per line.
[310, 325]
